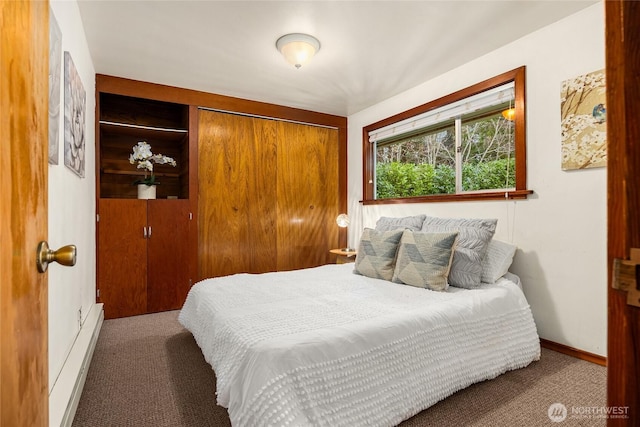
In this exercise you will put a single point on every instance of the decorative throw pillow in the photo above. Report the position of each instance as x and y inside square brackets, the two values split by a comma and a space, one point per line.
[473, 238]
[377, 253]
[424, 259]
[406, 222]
[497, 260]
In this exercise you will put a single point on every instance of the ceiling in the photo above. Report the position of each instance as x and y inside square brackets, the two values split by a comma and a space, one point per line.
[370, 50]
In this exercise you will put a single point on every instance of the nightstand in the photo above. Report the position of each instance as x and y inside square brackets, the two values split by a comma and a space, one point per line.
[343, 256]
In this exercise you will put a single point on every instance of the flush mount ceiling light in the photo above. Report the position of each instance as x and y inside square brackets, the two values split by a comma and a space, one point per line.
[298, 48]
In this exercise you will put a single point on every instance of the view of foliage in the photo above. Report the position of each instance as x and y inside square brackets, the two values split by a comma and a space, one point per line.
[425, 163]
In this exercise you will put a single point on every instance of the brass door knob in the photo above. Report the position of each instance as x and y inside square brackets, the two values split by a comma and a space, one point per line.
[66, 255]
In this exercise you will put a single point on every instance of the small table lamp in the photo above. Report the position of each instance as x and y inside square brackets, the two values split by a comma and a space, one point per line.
[343, 222]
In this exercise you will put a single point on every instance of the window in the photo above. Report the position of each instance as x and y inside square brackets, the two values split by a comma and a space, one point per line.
[469, 145]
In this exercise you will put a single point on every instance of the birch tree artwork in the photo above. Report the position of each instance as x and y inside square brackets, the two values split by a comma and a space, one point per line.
[583, 126]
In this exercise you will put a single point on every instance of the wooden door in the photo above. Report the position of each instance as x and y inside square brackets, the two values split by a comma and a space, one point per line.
[167, 254]
[122, 257]
[623, 169]
[307, 196]
[24, 56]
[237, 194]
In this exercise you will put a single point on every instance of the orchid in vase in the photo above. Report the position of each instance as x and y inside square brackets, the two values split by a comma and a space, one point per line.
[144, 158]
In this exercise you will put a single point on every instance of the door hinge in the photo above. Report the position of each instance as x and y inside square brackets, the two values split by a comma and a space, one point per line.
[97, 217]
[625, 276]
[98, 293]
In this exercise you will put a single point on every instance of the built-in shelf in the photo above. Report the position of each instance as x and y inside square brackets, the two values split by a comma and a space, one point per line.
[124, 121]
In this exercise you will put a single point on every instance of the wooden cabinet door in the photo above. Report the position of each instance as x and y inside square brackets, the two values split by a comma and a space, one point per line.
[308, 195]
[168, 251]
[122, 257]
[237, 194]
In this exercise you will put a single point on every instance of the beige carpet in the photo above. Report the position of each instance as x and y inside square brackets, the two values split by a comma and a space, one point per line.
[148, 371]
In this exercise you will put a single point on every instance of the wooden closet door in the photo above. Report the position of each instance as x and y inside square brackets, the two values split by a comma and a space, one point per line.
[237, 195]
[168, 254]
[308, 195]
[122, 257]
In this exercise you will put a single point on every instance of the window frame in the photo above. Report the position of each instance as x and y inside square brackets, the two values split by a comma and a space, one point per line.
[368, 148]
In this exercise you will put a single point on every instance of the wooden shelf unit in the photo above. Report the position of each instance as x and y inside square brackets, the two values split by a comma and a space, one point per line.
[126, 120]
[146, 249]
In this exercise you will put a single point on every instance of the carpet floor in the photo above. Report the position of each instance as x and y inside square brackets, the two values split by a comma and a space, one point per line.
[148, 371]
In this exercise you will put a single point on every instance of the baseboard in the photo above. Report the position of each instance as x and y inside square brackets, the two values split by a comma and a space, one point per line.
[574, 352]
[65, 395]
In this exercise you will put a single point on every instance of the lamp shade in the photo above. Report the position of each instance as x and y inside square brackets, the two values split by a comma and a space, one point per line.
[298, 48]
[509, 114]
[342, 220]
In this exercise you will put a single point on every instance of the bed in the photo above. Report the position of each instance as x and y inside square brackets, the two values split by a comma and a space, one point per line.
[326, 347]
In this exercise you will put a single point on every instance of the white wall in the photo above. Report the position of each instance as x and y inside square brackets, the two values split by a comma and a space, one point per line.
[71, 220]
[561, 229]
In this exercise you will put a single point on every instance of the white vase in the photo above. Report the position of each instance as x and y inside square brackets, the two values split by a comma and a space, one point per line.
[146, 191]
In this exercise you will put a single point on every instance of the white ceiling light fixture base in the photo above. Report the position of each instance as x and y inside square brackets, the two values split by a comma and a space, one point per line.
[298, 48]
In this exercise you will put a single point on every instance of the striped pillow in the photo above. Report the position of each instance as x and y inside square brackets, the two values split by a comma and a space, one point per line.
[385, 223]
[497, 260]
[474, 236]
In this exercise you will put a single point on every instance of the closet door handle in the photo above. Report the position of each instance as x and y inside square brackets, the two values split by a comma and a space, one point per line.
[144, 232]
[149, 232]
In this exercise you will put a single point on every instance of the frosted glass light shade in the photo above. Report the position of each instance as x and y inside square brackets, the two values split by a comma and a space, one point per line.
[342, 220]
[298, 48]
[509, 114]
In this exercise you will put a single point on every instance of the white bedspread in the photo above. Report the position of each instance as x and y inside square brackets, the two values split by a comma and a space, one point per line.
[327, 347]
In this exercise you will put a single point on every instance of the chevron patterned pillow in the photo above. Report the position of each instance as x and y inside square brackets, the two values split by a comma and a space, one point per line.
[424, 259]
[377, 253]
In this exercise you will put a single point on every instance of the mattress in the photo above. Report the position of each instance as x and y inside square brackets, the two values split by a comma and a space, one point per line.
[326, 347]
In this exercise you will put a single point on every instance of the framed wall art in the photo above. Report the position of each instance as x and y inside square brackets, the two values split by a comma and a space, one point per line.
[75, 100]
[55, 69]
[583, 126]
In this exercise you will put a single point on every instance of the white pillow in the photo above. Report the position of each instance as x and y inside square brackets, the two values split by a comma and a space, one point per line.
[497, 260]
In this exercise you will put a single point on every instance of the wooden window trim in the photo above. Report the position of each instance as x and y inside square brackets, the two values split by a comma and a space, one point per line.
[518, 77]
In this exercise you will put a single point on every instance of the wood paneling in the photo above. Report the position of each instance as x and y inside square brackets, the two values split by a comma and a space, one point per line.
[24, 54]
[237, 172]
[159, 92]
[623, 213]
[122, 258]
[269, 194]
[307, 197]
[168, 254]
[237, 230]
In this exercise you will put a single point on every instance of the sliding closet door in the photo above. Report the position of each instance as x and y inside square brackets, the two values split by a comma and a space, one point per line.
[237, 196]
[268, 194]
[308, 195]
